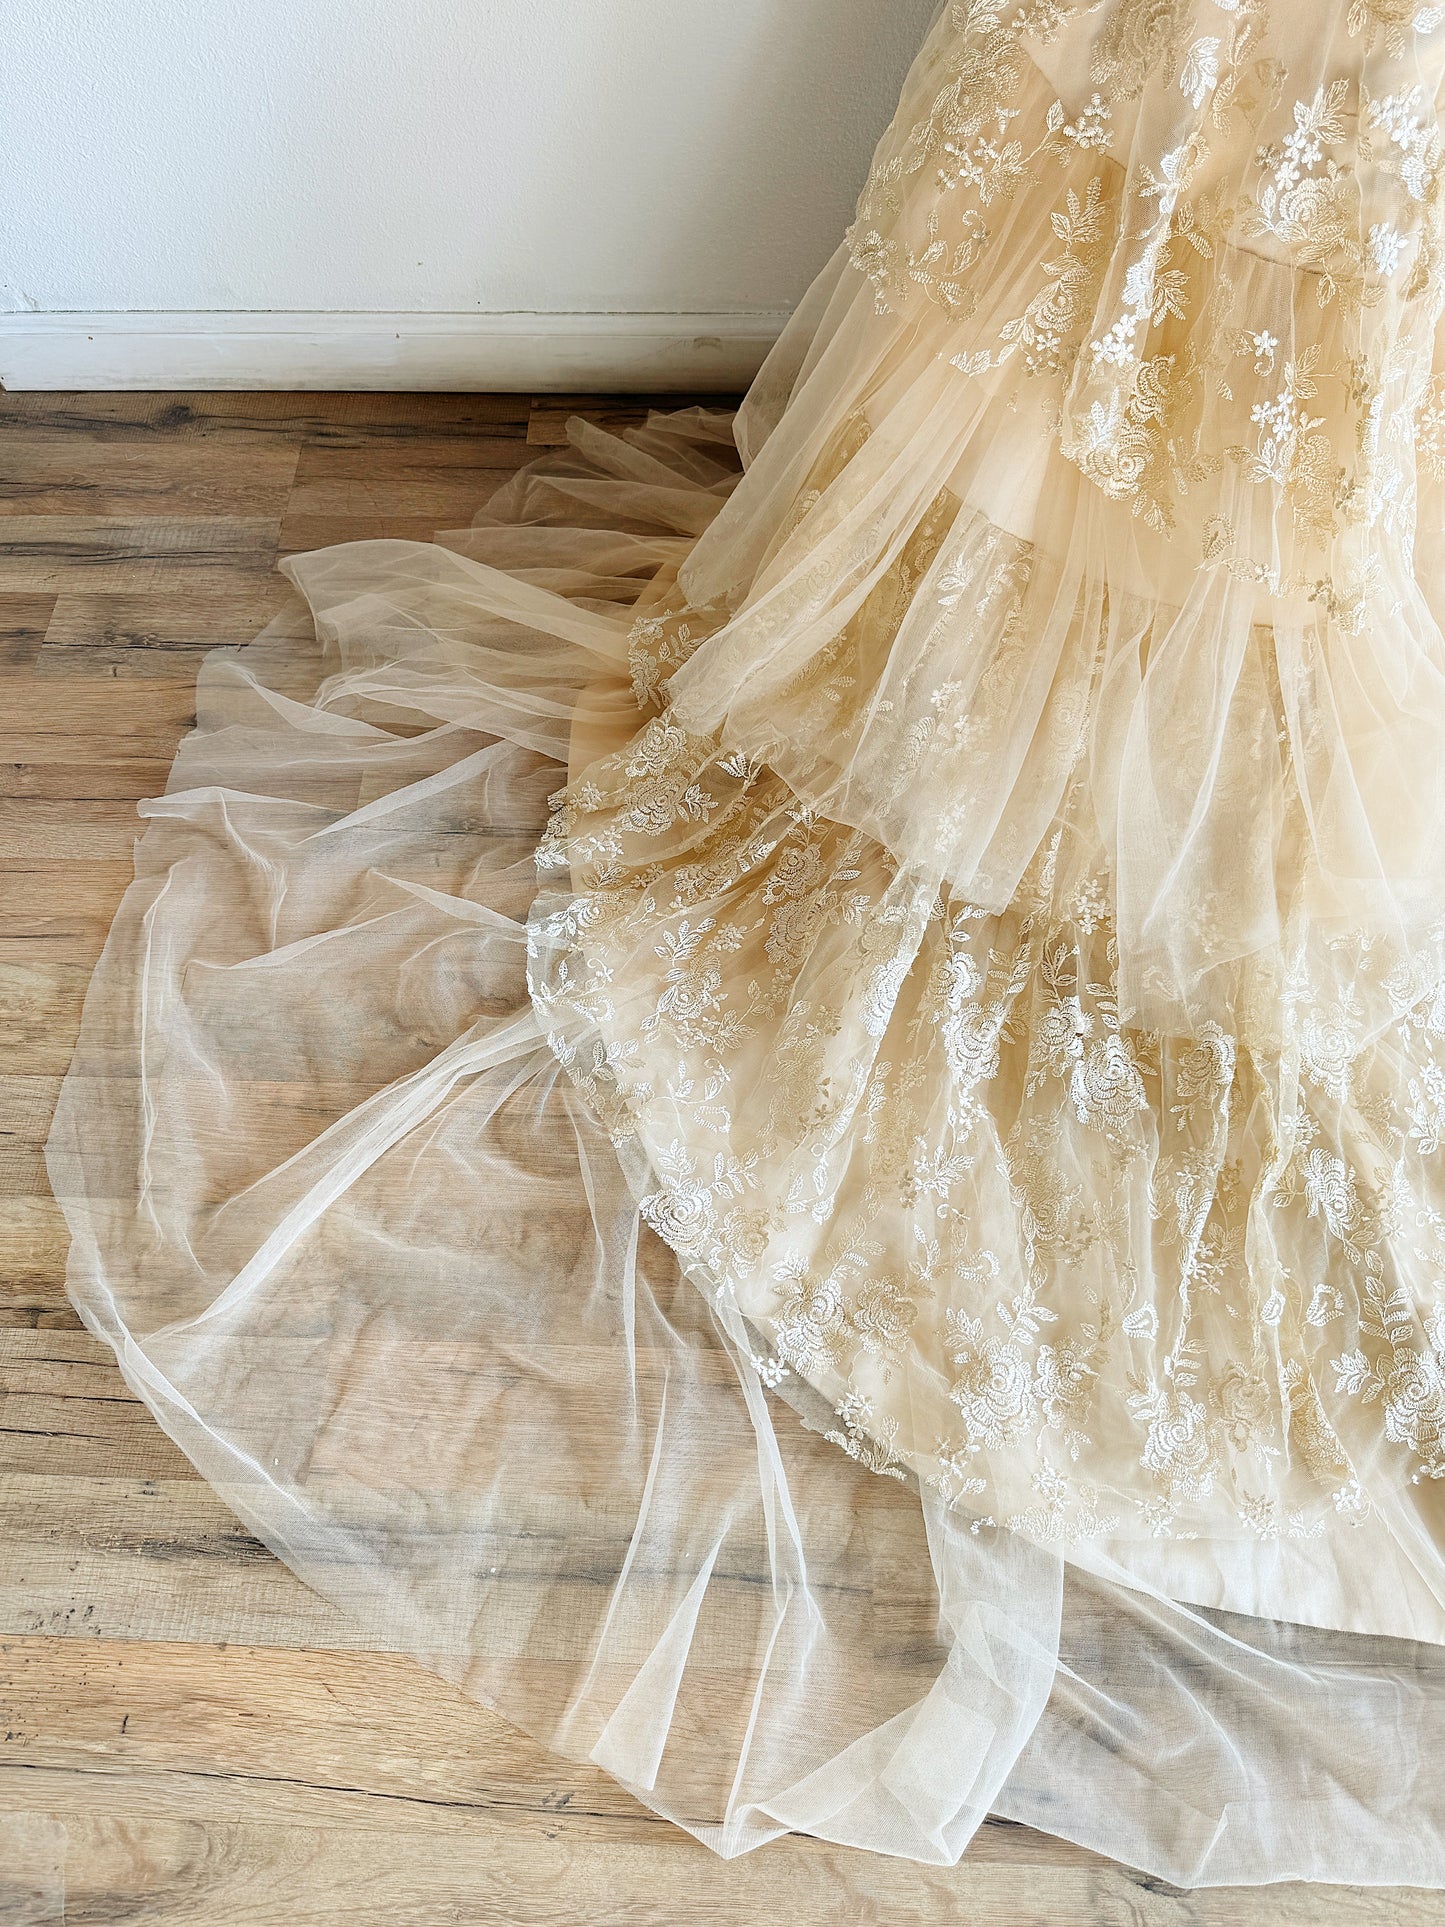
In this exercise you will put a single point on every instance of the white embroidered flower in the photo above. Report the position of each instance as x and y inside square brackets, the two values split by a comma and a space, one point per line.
[1105, 1085]
[882, 1315]
[792, 929]
[661, 746]
[994, 1388]
[1206, 1068]
[1112, 450]
[1327, 1055]
[1142, 1323]
[971, 1044]
[797, 871]
[882, 993]
[808, 1324]
[1178, 1446]
[1330, 1192]
[1408, 120]
[1091, 129]
[1244, 1404]
[682, 1216]
[1091, 906]
[1200, 74]
[1414, 1393]
[1427, 1108]
[1266, 348]
[1327, 1302]
[1387, 247]
[652, 807]
[744, 1237]
[962, 979]
[1116, 348]
[867, 1439]
[1059, 1034]
[692, 994]
[1061, 1382]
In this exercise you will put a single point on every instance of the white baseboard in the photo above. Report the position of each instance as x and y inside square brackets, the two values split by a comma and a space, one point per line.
[631, 353]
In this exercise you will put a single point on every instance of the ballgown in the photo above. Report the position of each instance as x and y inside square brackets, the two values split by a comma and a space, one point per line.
[784, 1107]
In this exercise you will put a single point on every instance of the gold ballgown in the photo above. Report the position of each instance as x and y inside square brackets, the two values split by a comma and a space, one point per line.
[906, 1278]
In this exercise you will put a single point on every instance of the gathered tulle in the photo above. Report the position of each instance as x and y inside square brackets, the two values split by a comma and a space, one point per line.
[781, 1107]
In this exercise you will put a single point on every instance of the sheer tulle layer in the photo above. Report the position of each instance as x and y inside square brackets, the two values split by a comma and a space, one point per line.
[948, 1166]
[1145, 435]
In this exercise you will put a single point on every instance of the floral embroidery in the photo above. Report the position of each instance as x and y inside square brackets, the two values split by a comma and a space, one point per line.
[1394, 19]
[865, 1440]
[1047, 332]
[1407, 1380]
[1065, 1263]
[1139, 35]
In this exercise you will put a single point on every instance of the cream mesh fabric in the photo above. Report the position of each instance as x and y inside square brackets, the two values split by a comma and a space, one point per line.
[791, 1122]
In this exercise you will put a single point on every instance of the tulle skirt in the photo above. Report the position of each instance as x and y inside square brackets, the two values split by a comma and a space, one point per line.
[378, 1268]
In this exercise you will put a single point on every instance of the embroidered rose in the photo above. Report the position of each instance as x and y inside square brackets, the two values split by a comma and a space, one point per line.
[1326, 1055]
[1106, 1087]
[994, 1388]
[971, 1044]
[1061, 1381]
[692, 994]
[1330, 1192]
[882, 1315]
[1414, 1393]
[798, 870]
[1206, 1068]
[744, 1236]
[682, 1217]
[1178, 1446]
[652, 807]
[1243, 1403]
[808, 1324]
[882, 994]
[792, 931]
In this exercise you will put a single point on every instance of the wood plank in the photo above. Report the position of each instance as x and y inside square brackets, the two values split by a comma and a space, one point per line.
[26, 1107]
[42, 554]
[310, 414]
[93, 628]
[66, 1413]
[51, 830]
[24, 620]
[302, 532]
[171, 1870]
[160, 634]
[102, 715]
[449, 500]
[547, 425]
[282, 1734]
[116, 778]
[164, 1869]
[59, 912]
[33, 1245]
[40, 1016]
[418, 462]
[142, 1556]
[54, 474]
[368, 1750]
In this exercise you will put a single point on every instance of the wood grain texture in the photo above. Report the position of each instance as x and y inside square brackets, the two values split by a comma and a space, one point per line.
[187, 1733]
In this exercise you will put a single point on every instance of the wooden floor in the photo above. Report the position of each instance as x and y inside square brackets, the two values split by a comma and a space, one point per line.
[189, 1735]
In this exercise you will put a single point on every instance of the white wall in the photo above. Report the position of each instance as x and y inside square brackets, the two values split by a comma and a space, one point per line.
[199, 160]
